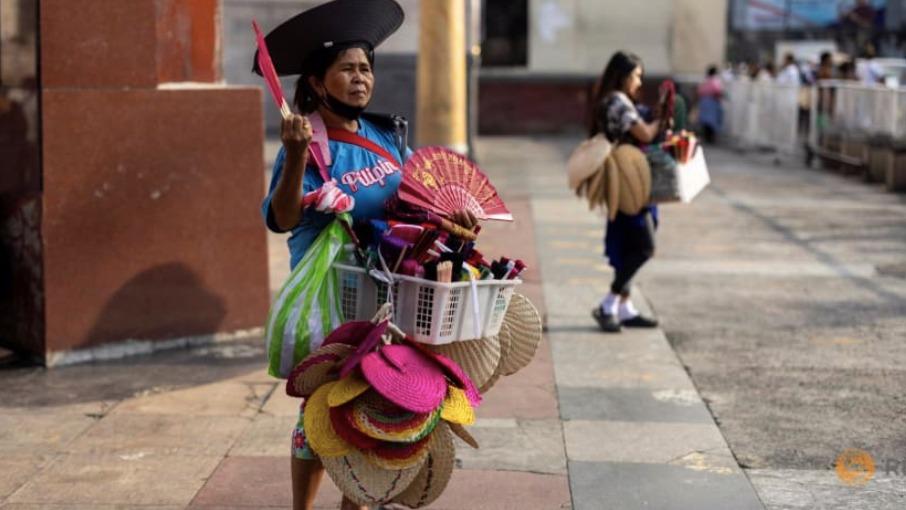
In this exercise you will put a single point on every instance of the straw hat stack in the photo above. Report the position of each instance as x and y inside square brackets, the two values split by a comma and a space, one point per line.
[486, 360]
[381, 416]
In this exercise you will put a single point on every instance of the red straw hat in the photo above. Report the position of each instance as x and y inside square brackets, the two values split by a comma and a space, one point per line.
[400, 451]
[387, 414]
[407, 377]
[317, 368]
[411, 432]
[340, 420]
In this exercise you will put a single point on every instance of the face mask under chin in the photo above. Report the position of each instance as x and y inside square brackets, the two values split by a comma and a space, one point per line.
[342, 109]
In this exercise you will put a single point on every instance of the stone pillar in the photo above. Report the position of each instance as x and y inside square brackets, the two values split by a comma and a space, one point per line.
[151, 184]
[699, 35]
[442, 105]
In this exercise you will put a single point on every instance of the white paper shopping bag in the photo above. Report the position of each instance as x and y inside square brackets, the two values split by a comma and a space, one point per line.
[693, 176]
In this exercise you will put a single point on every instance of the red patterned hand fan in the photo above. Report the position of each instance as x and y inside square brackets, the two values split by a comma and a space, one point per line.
[442, 181]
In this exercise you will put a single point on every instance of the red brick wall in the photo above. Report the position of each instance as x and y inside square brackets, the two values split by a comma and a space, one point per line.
[528, 104]
[531, 105]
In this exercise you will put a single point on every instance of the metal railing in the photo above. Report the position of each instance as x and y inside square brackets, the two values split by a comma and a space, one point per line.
[764, 115]
[771, 115]
[844, 111]
[865, 108]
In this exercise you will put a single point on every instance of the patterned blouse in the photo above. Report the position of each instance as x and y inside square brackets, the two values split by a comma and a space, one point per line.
[618, 114]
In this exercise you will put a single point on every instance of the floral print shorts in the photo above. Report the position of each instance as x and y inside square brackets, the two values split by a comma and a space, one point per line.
[300, 448]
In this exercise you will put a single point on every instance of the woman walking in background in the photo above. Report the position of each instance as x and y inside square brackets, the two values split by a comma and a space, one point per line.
[629, 241]
[710, 111]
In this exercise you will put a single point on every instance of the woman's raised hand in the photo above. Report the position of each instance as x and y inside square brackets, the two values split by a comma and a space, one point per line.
[296, 133]
[464, 218]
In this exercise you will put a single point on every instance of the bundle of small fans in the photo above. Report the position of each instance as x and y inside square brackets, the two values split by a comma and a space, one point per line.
[379, 413]
[419, 238]
[681, 146]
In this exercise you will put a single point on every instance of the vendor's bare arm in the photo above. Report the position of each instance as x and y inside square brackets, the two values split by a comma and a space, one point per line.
[646, 132]
[286, 202]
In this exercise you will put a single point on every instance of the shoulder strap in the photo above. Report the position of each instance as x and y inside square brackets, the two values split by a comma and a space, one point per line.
[396, 124]
[341, 135]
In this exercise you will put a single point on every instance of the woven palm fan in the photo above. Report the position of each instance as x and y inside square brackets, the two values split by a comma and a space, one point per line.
[435, 473]
[523, 325]
[442, 181]
[504, 338]
[479, 358]
[366, 484]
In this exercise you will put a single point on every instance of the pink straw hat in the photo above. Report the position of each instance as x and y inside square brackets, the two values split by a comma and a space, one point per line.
[406, 376]
[458, 376]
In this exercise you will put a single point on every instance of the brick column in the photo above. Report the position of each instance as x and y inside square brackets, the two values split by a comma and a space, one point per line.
[151, 185]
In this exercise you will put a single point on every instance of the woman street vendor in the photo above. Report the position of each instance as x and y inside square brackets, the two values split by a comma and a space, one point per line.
[331, 48]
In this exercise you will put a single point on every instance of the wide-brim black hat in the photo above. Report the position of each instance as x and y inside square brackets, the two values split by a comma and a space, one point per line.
[333, 23]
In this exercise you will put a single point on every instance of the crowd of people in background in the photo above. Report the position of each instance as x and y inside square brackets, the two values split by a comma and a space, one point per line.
[793, 72]
[830, 66]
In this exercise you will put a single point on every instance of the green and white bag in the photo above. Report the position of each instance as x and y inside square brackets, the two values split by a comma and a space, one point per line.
[307, 308]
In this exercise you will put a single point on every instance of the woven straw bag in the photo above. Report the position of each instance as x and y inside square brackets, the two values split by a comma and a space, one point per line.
[587, 159]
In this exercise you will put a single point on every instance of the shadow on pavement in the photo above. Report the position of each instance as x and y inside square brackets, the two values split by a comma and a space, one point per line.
[164, 301]
[154, 304]
[31, 386]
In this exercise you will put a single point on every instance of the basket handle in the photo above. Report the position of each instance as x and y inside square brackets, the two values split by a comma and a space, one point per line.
[359, 252]
[476, 311]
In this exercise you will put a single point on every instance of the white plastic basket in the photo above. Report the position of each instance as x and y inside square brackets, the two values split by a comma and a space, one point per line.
[431, 312]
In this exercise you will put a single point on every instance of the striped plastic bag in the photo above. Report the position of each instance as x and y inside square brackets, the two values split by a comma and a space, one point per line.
[307, 308]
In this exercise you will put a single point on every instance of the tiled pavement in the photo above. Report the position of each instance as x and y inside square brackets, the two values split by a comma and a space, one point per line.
[636, 432]
[595, 422]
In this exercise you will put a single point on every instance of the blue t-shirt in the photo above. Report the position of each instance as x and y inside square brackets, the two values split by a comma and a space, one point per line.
[370, 179]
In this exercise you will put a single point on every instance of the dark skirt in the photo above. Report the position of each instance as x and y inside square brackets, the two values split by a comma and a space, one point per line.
[622, 228]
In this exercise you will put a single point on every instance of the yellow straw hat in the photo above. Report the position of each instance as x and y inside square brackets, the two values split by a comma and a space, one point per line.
[347, 389]
[318, 429]
[456, 407]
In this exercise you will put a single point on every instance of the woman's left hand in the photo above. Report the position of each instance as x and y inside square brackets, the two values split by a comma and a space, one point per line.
[465, 218]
